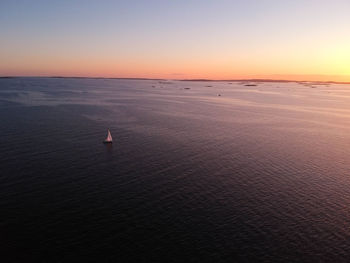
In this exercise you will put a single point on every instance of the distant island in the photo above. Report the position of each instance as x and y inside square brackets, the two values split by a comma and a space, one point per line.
[194, 80]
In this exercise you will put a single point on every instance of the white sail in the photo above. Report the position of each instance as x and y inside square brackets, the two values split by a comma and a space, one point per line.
[109, 137]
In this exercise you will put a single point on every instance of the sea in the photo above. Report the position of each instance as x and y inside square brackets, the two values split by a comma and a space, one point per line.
[199, 171]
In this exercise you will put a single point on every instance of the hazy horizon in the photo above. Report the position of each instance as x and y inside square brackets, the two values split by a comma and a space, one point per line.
[273, 78]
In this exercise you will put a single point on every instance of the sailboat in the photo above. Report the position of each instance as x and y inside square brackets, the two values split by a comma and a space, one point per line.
[109, 137]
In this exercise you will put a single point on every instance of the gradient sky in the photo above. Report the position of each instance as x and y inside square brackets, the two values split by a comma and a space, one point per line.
[216, 39]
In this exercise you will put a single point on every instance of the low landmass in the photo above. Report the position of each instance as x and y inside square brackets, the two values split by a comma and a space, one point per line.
[194, 80]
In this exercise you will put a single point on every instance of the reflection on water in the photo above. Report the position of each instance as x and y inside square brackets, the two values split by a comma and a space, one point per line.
[109, 147]
[259, 173]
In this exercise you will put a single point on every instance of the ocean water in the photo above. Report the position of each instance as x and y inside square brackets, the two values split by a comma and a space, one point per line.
[258, 174]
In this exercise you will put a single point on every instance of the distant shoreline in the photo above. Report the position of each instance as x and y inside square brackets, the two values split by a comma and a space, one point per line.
[194, 80]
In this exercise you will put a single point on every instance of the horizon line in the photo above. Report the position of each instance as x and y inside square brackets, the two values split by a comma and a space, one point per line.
[190, 79]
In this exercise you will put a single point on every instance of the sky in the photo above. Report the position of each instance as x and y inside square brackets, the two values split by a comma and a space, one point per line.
[176, 39]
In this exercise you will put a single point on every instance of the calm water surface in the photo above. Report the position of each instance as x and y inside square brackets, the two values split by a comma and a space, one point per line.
[258, 174]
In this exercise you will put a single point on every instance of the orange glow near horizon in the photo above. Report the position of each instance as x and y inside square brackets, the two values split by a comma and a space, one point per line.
[327, 62]
[181, 70]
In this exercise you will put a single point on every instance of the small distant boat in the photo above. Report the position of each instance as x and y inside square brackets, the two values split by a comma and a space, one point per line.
[109, 137]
